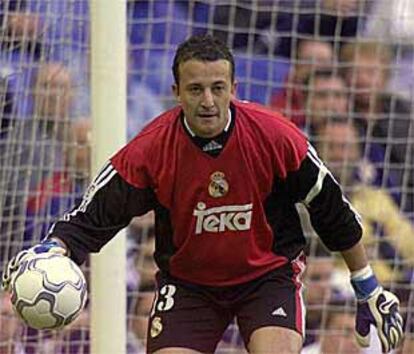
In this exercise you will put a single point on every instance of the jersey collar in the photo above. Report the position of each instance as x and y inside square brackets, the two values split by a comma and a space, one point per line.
[192, 134]
[211, 146]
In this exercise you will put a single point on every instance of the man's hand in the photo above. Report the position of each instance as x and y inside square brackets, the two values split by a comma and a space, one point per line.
[52, 246]
[380, 310]
[377, 307]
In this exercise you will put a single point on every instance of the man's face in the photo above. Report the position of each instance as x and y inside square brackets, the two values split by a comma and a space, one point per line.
[318, 278]
[204, 91]
[311, 56]
[327, 96]
[145, 264]
[367, 78]
[53, 91]
[338, 147]
[79, 153]
[339, 338]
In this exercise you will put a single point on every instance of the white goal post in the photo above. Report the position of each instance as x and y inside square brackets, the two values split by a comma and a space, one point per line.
[108, 98]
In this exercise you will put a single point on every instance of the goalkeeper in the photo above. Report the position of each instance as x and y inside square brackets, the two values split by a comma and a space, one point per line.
[223, 177]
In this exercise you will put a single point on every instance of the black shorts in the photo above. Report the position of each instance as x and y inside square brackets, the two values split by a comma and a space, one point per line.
[195, 316]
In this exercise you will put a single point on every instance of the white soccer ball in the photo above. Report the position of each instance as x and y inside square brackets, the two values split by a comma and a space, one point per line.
[48, 291]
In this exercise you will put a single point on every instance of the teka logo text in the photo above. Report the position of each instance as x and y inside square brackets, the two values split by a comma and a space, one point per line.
[223, 218]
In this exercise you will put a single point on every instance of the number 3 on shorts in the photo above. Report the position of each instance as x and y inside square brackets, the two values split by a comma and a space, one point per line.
[165, 298]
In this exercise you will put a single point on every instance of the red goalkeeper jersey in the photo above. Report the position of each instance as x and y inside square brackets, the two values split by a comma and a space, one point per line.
[220, 220]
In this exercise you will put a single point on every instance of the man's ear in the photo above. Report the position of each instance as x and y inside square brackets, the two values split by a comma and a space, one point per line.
[234, 88]
[175, 91]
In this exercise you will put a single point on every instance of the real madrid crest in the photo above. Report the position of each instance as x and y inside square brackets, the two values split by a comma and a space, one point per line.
[218, 186]
[156, 327]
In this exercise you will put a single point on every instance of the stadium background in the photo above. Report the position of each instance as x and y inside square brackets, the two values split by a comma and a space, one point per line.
[46, 132]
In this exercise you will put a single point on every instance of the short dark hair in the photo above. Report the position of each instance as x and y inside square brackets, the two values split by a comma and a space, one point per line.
[203, 48]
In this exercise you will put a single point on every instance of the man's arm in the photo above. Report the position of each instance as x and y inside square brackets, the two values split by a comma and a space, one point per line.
[106, 207]
[339, 226]
[376, 306]
[355, 257]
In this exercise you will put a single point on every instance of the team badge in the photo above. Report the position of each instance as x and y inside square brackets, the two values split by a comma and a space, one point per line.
[218, 186]
[156, 327]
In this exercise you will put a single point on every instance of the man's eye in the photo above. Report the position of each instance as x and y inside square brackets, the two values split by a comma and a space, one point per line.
[195, 90]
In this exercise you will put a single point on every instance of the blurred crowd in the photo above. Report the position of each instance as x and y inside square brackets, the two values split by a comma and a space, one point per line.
[341, 70]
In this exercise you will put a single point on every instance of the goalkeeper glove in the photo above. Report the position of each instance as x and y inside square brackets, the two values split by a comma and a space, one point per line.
[48, 246]
[377, 307]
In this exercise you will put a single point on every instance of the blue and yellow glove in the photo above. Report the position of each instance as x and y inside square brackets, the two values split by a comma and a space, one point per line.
[52, 246]
[377, 307]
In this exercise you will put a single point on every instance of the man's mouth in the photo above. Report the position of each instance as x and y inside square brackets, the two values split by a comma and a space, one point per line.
[207, 115]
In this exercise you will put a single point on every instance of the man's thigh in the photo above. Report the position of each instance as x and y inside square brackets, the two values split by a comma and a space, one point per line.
[177, 351]
[275, 306]
[183, 319]
[275, 340]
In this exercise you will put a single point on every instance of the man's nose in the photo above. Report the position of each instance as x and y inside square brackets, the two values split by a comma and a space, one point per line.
[207, 100]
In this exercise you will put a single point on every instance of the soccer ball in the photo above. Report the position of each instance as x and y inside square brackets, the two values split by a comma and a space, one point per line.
[48, 291]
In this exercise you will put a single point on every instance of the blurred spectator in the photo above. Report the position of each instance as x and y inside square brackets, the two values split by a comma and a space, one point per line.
[140, 321]
[407, 305]
[6, 108]
[79, 150]
[49, 93]
[311, 55]
[325, 94]
[60, 189]
[141, 280]
[63, 27]
[75, 338]
[366, 67]
[318, 288]
[10, 327]
[30, 154]
[44, 174]
[381, 117]
[63, 187]
[42, 137]
[40, 30]
[141, 244]
[392, 22]
[337, 334]
[20, 50]
[272, 26]
[145, 263]
[53, 92]
[21, 32]
[387, 233]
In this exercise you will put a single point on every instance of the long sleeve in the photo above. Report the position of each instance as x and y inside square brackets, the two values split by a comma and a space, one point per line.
[332, 216]
[107, 206]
